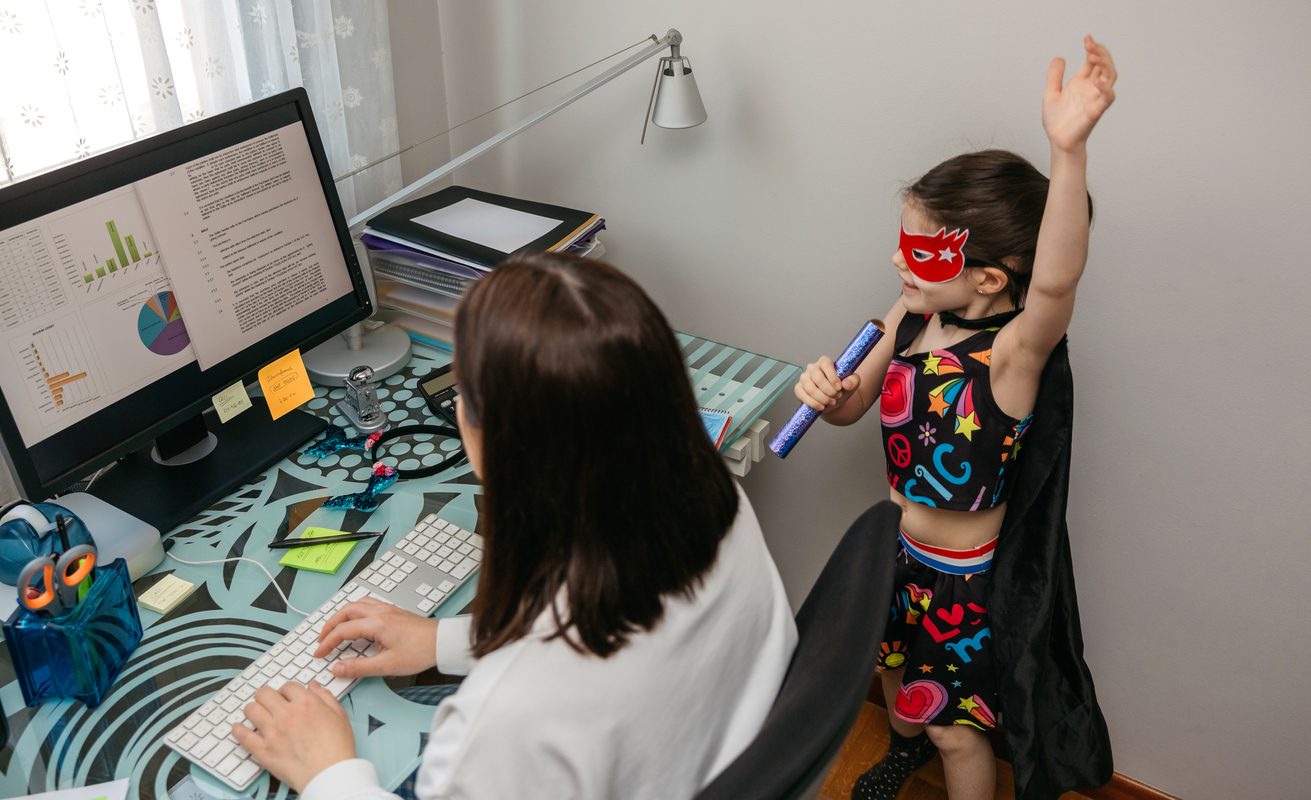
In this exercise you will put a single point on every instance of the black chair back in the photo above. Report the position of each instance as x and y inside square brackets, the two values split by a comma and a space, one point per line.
[841, 627]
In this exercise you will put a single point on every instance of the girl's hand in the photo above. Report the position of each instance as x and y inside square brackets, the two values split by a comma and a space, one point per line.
[408, 641]
[1069, 114]
[300, 732]
[820, 387]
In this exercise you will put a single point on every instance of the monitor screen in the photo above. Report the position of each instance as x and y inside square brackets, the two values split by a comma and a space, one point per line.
[141, 287]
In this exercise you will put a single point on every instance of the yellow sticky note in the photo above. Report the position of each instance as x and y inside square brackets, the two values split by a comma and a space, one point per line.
[231, 401]
[286, 384]
[165, 595]
[320, 558]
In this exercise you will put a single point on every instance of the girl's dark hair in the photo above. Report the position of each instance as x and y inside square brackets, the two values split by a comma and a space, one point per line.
[598, 477]
[999, 197]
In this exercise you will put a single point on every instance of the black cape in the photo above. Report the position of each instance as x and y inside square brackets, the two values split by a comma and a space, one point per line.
[1054, 727]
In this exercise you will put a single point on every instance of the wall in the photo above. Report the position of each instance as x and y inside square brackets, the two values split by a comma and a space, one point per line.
[771, 227]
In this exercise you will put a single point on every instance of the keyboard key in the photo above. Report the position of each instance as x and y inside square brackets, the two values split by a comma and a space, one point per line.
[202, 730]
[263, 660]
[409, 567]
[339, 686]
[260, 680]
[442, 538]
[175, 734]
[220, 752]
[357, 593]
[477, 541]
[231, 704]
[365, 574]
[289, 672]
[387, 571]
[436, 595]
[444, 551]
[388, 585]
[338, 597]
[463, 569]
[465, 549]
[284, 659]
[246, 691]
[476, 555]
[302, 627]
[270, 670]
[236, 716]
[447, 565]
[296, 649]
[423, 588]
[277, 683]
[302, 660]
[230, 763]
[422, 540]
[214, 717]
[426, 605]
[435, 561]
[305, 676]
[445, 586]
[462, 535]
[188, 741]
[430, 519]
[372, 650]
[410, 536]
[240, 752]
[242, 774]
[348, 588]
[324, 677]
[375, 579]
[309, 637]
[203, 747]
[315, 617]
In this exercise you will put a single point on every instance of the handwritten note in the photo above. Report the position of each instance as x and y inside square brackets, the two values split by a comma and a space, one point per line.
[320, 558]
[231, 401]
[286, 384]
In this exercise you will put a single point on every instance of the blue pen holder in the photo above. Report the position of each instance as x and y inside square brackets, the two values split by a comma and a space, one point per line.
[77, 655]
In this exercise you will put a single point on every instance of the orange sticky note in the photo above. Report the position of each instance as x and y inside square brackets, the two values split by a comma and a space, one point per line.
[286, 384]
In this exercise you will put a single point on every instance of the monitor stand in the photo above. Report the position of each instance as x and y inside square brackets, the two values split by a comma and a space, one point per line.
[189, 468]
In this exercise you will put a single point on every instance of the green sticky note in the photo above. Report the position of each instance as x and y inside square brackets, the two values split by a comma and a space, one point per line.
[320, 558]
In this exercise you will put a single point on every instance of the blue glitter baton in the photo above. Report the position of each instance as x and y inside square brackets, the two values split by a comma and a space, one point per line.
[846, 364]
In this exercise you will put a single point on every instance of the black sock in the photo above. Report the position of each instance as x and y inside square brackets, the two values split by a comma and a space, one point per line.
[884, 780]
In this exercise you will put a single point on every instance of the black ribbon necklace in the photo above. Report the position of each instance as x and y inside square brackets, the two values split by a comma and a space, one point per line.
[946, 318]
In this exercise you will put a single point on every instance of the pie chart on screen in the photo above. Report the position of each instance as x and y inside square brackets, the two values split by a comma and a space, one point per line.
[160, 325]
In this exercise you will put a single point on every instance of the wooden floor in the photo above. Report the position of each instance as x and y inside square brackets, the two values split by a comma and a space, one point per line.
[867, 743]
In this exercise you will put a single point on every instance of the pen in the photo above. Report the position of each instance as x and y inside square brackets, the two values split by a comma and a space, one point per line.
[287, 544]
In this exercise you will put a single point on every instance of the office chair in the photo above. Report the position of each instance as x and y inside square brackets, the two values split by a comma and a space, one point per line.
[841, 627]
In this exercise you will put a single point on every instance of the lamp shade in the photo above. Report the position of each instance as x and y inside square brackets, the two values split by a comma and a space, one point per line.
[677, 101]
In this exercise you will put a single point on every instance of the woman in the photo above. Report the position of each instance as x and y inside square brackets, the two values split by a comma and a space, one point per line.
[630, 630]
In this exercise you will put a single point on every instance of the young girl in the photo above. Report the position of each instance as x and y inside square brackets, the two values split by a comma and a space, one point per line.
[990, 257]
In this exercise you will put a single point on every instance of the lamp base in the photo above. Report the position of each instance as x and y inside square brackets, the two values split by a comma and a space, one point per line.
[386, 349]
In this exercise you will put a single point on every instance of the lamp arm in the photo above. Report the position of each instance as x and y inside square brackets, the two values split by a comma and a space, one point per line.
[356, 223]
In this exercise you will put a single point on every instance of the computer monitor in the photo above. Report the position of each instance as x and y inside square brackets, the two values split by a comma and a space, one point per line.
[138, 284]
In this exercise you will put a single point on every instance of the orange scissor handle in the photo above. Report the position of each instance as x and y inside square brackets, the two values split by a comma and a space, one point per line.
[46, 568]
[83, 559]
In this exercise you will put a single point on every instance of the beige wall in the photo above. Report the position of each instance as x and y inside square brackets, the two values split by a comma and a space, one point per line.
[771, 226]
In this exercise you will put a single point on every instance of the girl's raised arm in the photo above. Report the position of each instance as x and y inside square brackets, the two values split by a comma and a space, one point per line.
[1068, 116]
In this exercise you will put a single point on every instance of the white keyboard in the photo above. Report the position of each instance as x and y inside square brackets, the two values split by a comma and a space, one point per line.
[417, 574]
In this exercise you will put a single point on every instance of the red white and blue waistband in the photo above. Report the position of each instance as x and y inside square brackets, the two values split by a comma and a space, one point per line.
[953, 562]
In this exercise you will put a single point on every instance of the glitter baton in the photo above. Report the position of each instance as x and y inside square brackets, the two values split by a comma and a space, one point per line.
[846, 364]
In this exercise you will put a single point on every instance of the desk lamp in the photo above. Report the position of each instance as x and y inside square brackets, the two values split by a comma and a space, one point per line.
[675, 103]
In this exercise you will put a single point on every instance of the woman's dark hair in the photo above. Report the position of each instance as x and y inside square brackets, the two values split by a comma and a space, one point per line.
[598, 477]
[999, 197]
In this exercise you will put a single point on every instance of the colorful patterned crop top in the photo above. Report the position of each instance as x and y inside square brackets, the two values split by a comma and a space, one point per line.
[947, 443]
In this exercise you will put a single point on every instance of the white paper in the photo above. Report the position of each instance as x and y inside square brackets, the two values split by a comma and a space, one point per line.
[489, 225]
[115, 790]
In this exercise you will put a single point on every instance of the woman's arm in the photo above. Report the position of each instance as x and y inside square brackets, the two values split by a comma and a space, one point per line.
[1068, 116]
[820, 389]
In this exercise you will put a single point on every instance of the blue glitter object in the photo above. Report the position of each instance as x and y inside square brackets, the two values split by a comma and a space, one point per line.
[334, 439]
[367, 500]
[845, 365]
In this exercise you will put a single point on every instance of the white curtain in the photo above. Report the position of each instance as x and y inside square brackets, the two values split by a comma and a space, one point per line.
[78, 77]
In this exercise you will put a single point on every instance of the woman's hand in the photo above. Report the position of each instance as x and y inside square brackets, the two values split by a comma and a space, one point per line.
[1069, 114]
[299, 732]
[821, 389]
[408, 641]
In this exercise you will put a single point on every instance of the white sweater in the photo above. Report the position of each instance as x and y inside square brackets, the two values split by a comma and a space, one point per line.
[658, 719]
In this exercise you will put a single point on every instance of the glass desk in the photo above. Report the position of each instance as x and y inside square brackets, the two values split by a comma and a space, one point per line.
[234, 615]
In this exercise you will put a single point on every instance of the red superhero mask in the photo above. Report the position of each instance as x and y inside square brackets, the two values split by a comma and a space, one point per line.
[937, 258]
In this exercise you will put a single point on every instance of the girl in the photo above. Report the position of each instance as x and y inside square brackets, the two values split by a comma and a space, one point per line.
[990, 257]
[630, 630]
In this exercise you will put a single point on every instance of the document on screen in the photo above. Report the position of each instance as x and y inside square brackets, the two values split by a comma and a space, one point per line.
[248, 239]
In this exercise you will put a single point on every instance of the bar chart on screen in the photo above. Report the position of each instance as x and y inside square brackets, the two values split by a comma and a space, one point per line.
[58, 369]
[102, 243]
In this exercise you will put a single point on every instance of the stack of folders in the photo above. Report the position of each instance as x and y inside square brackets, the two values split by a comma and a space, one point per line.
[426, 252]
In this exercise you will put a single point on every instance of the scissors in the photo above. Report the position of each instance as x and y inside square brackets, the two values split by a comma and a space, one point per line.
[61, 575]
